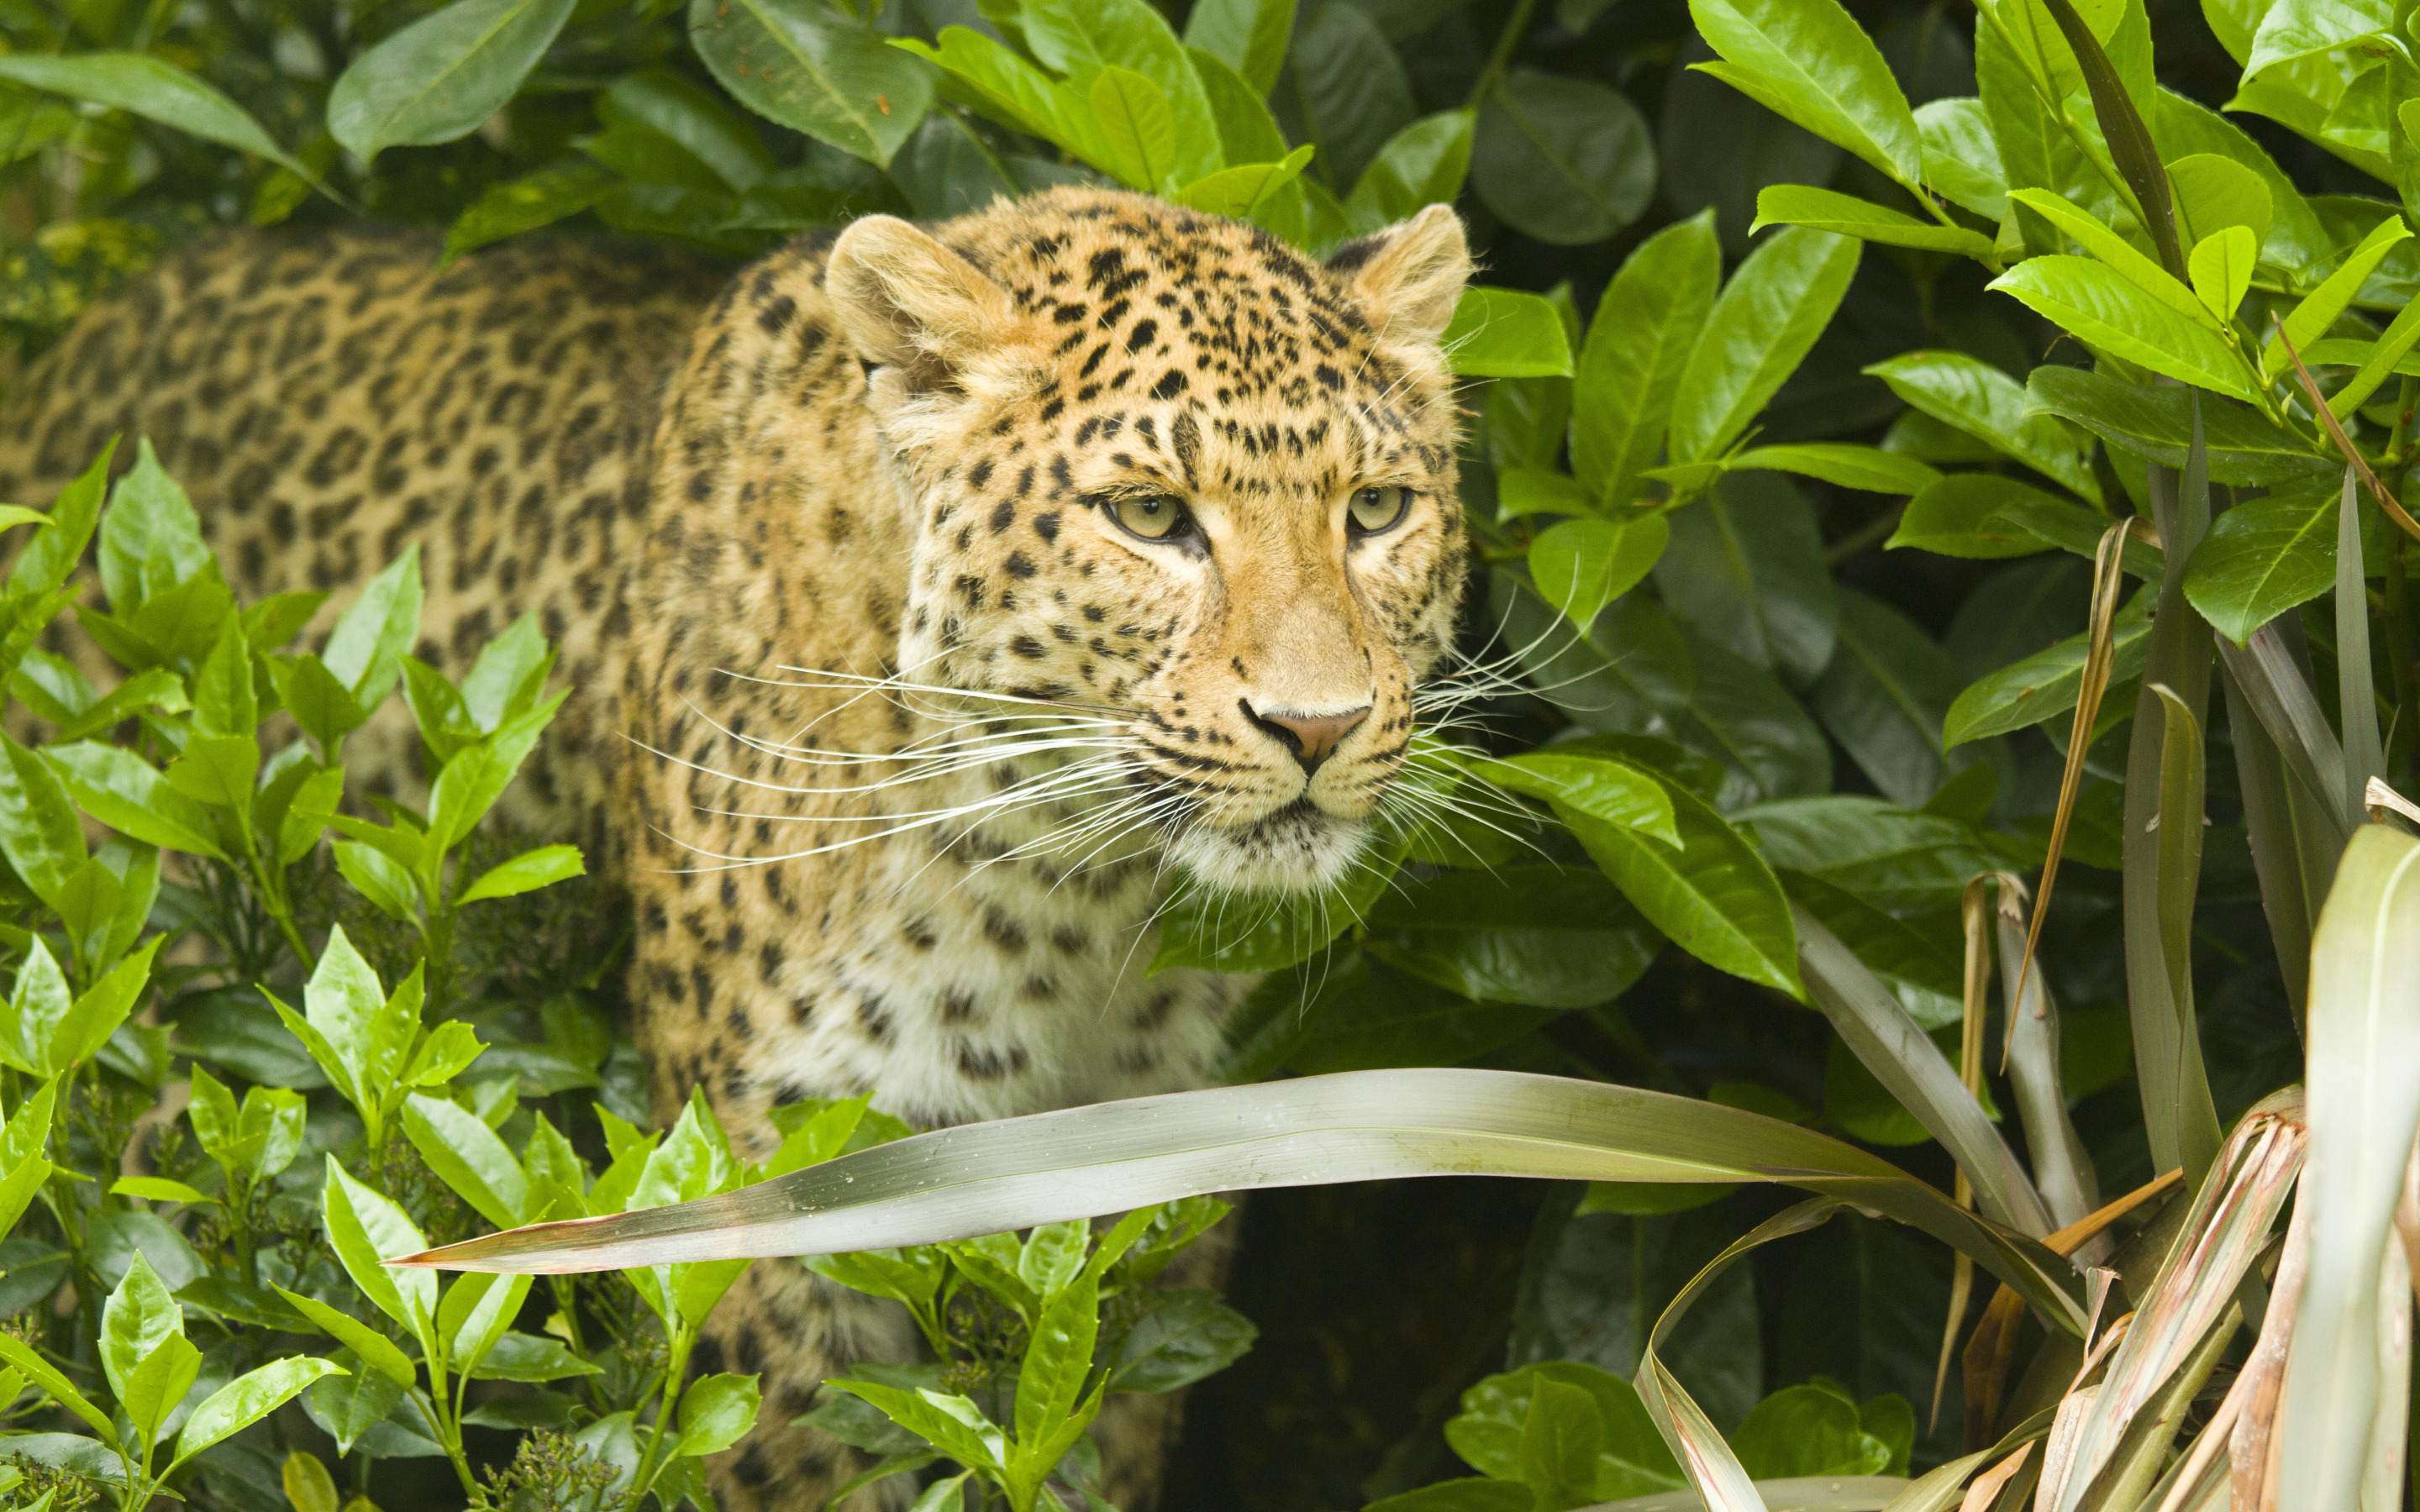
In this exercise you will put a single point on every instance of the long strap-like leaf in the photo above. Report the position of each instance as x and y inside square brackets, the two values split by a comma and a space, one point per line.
[1082, 1162]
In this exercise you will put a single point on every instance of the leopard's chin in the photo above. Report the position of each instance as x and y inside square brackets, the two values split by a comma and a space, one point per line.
[1301, 848]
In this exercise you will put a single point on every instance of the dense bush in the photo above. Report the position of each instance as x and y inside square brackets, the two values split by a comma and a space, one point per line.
[1824, 423]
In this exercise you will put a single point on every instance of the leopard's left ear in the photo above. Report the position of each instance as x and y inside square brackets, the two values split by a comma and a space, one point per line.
[1409, 277]
[907, 303]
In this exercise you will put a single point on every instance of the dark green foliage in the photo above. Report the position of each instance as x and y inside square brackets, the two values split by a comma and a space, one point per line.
[1860, 328]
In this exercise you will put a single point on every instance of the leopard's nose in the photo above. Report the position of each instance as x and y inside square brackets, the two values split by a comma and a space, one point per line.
[1312, 737]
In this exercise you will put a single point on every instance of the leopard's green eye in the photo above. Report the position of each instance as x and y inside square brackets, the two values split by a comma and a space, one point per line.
[1378, 509]
[1153, 517]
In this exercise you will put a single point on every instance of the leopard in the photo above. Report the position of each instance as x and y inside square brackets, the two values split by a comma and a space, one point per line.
[936, 603]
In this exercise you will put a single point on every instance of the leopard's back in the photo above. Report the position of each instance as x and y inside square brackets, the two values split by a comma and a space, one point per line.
[329, 397]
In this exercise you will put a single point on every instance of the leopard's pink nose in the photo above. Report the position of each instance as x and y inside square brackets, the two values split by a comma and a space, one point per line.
[1312, 737]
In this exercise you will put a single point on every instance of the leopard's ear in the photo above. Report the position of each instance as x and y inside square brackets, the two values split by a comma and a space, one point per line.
[1409, 277]
[908, 303]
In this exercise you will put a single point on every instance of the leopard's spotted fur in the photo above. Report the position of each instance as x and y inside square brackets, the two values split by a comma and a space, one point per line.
[888, 457]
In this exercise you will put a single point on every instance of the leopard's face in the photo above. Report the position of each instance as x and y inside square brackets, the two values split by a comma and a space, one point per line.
[1188, 493]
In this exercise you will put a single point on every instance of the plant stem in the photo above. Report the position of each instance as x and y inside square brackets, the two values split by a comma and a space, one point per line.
[2399, 652]
[675, 1366]
[1515, 27]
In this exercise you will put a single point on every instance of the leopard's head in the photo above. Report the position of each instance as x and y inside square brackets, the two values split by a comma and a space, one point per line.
[1171, 474]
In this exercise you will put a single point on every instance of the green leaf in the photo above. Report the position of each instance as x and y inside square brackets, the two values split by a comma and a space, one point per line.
[1058, 1358]
[95, 1016]
[526, 872]
[2240, 447]
[1421, 166]
[123, 790]
[1186, 1335]
[52, 555]
[1714, 897]
[552, 193]
[1599, 786]
[2386, 356]
[1980, 399]
[378, 877]
[217, 771]
[814, 69]
[133, 1320]
[440, 77]
[365, 1229]
[1823, 209]
[224, 702]
[1537, 491]
[1760, 328]
[1630, 1461]
[477, 776]
[1581, 565]
[39, 830]
[1566, 160]
[2310, 319]
[476, 1314]
[2222, 265]
[1808, 61]
[1239, 191]
[716, 1413]
[246, 1400]
[2215, 193]
[1139, 127]
[1012, 90]
[1746, 569]
[157, 1385]
[954, 1424]
[2044, 684]
[1644, 329]
[22, 1357]
[1016, 1173]
[1559, 1446]
[1344, 91]
[1961, 516]
[37, 1004]
[1080, 39]
[466, 1156]
[717, 140]
[151, 538]
[156, 1189]
[1885, 698]
[1471, 1494]
[269, 1130]
[528, 1358]
[2105, 309]
[1806, 1430]
[321, 702]
[372, 1346]
[1864, 467]
[1248, 36]
[444, 1053]
[2361, 1087]
[2117, 254]
[18, 1189]
[155, 89]
[1502, 332]
[2262, 558]
[1962, 160]
[365, 649]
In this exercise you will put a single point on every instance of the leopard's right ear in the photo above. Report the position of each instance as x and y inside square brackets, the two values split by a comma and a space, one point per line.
[908, 303]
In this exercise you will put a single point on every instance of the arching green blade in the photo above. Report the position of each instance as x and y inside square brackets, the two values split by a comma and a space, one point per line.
[1356, 1126]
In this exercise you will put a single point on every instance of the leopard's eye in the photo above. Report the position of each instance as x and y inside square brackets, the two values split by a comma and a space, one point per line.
[1378, 509]
[1153, 517]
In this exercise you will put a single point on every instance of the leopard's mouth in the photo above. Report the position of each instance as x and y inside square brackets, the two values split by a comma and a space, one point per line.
[1300, 847]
